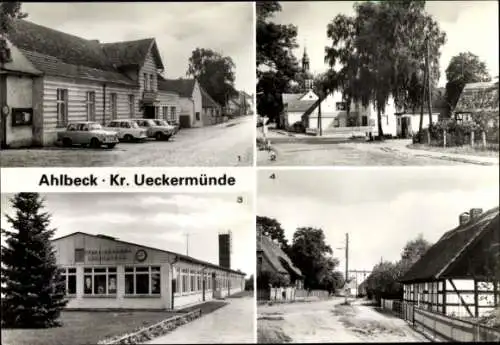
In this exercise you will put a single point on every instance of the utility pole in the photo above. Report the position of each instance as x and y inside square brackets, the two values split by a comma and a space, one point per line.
[429, 82]
[346, 263]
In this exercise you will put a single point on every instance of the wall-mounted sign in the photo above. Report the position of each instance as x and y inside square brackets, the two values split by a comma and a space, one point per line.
[141, 255]
[107, 254]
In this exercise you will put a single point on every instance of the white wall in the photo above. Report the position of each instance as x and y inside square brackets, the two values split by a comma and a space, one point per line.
[19, 95]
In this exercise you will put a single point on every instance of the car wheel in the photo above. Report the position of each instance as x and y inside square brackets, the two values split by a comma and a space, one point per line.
[159, 136]
[110, 146]
[67, 142]
[95, 143]
[128, 137]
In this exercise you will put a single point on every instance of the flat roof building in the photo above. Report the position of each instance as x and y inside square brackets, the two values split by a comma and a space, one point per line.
[102, 272]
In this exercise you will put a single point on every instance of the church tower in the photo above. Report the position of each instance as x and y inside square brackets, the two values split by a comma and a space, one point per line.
[308, 82]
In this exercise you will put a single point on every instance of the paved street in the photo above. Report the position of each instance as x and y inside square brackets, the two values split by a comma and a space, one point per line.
[228, 144]
[329, 321]
[231, 324]
[389, 152]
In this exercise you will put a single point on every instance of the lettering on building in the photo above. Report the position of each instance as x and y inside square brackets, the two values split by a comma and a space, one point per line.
[113, 254]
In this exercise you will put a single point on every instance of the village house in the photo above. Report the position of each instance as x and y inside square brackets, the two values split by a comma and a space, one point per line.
[303, 109]
[212, 111]
[55, 78]
[408, 122]
[478, 98]
[460, 274]
[103, 272]
[190, 100]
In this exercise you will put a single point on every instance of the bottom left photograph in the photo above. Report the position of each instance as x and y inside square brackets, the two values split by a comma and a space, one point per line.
[127, 268]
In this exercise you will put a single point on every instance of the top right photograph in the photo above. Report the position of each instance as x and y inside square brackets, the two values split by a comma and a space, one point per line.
[386, 83]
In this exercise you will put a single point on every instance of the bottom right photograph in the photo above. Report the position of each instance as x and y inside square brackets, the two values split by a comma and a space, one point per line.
[378, 255]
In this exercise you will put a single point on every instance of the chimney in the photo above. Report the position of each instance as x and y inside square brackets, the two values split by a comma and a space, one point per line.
[225, 250]
[475, 213]
[463, 218]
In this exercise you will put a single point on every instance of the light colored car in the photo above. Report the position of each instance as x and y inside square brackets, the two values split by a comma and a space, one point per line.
[165, 123]
[87, 133]
[155, 131]
[127, 130]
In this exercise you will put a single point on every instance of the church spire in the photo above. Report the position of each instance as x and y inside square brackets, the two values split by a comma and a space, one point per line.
[305, 61]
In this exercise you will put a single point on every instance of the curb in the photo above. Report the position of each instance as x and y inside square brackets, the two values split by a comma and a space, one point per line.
[456, 159]
[153, 331]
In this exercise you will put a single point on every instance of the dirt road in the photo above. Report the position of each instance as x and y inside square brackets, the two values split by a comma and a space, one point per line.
[329, 321]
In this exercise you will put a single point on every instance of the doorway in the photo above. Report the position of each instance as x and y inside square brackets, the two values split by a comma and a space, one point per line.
[405, 127]
[149, 112]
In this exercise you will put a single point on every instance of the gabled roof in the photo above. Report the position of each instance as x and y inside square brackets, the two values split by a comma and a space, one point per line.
[132, 53]
[475, 97]
[297, 106]
[184, 87]
[181, 257]
[276, 256]
[454, 246]
[207, 101]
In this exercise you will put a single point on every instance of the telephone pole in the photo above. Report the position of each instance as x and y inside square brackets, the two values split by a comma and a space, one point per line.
[429, 81]
[346, 265]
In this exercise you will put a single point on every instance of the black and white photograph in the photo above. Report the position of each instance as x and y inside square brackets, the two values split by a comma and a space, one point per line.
[378, 255]
[127, 268]
[377, 83]
[127, 84]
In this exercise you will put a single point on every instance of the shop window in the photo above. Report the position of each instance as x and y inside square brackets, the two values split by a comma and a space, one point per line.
[22, 117]
[99, 281]
[69, 278]
[62, 107]
[144, 280]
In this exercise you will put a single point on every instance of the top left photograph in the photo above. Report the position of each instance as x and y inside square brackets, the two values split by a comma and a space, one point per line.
[127, 84]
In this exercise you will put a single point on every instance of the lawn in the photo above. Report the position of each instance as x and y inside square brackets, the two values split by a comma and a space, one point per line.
[84, 328]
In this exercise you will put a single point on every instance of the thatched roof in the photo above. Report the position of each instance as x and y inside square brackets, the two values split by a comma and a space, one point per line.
[276, 256]
[464, 252]
[477, 97]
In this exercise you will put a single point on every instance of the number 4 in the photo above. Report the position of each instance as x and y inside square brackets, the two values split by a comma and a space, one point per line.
[239, 199]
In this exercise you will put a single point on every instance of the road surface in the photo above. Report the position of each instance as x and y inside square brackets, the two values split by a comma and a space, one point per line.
[231, 324]
[390, 152]
[228, 144]
[329, 321]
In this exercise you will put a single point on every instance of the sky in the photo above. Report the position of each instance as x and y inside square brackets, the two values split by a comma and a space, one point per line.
[469, 26]
[157, 220]
[381, 208]
[179, 28]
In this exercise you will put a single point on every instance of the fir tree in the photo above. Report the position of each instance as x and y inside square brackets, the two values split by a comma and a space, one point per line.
[32, 285]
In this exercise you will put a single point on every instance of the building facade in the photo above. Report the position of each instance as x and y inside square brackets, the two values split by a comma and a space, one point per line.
[102, 272]
[460, 274]
[80, 80]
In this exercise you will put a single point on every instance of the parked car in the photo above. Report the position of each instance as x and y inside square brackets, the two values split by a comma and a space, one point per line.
[87, 133]
[127, 130]
[176, 125]
[166, 123]
[155, 131]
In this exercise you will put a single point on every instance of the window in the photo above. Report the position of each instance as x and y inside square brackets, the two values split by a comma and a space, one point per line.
[112, 99]
[173, 115]
[131, 105]
[192, 277]
[165, 113]
[90, 103]
[184, 280]
[22, 116]
[69, 277]
[144, 280]
[146, 82]
[79, 252]
[197, 116]
[340, 106]
[364, 120]
[99, 281]
[62, 107]
[151, 82]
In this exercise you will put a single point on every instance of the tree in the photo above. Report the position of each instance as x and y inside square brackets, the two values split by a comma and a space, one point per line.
[272, 228]
[310, 253]
[276, 65]
[214, 72]
[463, 68]
[8, 12]
[34, 292]
[380, 51]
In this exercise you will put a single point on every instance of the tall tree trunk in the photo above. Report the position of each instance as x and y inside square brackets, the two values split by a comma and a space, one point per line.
[429, 85]
[379, 120]
[320, 123]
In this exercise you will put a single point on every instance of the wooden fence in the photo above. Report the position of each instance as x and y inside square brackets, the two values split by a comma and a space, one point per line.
[441, 326]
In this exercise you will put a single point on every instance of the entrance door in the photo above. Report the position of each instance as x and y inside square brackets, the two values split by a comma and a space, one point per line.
[174, 283]
[149, 112]
[404, 127]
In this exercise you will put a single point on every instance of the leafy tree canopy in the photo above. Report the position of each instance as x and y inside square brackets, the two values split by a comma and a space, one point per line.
[272, 228]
